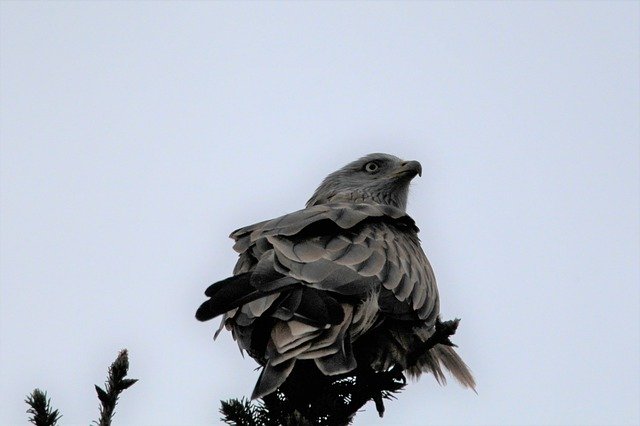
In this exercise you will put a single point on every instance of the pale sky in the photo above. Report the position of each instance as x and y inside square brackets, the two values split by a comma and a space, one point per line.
[136, 135]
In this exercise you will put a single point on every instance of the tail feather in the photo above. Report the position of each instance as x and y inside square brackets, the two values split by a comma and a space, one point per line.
[445, 356]
[456, 366]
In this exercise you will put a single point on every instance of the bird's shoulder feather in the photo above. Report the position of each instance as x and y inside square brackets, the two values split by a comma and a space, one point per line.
[347, 249]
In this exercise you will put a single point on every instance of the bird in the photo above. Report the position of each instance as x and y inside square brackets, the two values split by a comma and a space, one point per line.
[341, 284]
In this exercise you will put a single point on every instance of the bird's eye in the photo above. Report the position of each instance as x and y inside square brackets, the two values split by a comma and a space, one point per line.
[371, 167]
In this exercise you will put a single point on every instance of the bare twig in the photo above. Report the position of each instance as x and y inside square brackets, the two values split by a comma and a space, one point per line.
[441, 336]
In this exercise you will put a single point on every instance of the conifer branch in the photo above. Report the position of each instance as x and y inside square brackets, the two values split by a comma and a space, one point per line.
[116, 383]
[40, 409]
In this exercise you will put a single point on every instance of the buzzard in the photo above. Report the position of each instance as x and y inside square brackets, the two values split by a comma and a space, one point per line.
[340, 284]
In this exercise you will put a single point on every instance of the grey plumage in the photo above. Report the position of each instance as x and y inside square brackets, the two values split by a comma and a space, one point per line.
[341, 282]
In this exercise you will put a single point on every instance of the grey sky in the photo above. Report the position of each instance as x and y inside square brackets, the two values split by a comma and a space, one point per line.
[136, 135]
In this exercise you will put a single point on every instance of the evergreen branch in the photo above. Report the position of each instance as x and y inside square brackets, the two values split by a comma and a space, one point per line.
[116, 383]
[240, 412]
[40, 409]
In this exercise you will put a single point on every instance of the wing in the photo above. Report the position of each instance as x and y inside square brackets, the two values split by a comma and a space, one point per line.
[344, 248]
[308, 282]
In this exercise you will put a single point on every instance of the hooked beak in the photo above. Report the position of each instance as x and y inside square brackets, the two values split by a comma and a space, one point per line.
[409, 169]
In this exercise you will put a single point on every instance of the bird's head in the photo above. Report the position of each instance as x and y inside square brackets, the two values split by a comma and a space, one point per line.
[375, 178]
